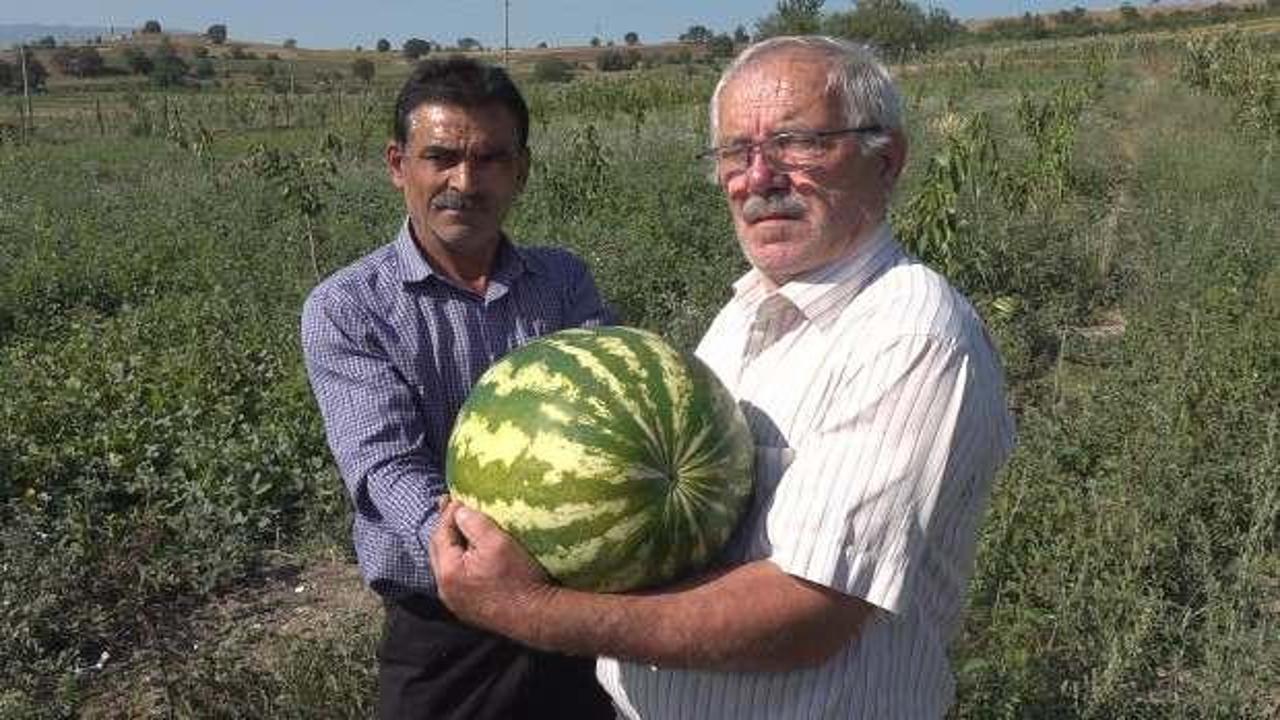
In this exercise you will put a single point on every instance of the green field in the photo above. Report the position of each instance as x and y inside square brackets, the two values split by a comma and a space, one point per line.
[1110, 205]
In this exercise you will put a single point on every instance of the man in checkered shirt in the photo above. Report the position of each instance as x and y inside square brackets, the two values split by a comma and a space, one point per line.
[394, 342]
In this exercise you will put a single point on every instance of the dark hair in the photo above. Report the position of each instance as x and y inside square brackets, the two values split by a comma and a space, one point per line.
[463, 82]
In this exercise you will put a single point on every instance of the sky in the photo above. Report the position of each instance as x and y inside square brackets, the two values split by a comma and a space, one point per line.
[326, 24]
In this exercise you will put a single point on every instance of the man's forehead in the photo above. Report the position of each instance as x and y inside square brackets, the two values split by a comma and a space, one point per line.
[450, 121]
[775, 89]
[779, 76]
[782, 72]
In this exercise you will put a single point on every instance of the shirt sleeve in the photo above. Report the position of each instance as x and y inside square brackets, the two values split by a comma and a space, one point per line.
[372, 420]
[585, 306]
[885, 497]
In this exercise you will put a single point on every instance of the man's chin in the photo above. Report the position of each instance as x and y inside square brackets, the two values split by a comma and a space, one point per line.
[465, 244]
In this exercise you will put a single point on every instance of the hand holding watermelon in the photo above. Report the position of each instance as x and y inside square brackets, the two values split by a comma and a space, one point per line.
[481, 572]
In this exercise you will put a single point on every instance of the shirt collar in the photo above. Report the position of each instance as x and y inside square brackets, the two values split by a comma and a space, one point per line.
[509, 262]
[820, 293]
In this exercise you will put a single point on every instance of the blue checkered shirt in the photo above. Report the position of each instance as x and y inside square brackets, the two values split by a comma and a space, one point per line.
[392, 349]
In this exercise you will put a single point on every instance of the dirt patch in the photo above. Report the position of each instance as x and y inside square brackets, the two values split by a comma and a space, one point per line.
[298, 603]
[321, 601]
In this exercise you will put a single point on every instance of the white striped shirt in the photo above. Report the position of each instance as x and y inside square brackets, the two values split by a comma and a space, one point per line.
[877, 403]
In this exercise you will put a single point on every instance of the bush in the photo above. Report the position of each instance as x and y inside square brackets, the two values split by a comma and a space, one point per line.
[204, 68]
[169, 70]
[81, 62]
[217, 34]
[363, 68]
[612, 60]
[137, 61]
[552, 69]
[263, 72]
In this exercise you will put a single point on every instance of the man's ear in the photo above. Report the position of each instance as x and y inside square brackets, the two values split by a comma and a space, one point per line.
[893, 158]
[525, 161]
[395, 163]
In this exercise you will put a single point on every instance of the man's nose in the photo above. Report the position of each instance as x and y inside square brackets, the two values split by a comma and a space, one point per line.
[463, 175]
[761, 174]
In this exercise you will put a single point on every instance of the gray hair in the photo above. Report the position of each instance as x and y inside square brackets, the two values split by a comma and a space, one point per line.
[869, 93]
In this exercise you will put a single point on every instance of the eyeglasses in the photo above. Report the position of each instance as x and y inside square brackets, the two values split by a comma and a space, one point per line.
[790, 150]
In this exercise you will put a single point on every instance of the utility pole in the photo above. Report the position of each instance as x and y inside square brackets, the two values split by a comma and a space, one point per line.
[26, 94]
[506, 33]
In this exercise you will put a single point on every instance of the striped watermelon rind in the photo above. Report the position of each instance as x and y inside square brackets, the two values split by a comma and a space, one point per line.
[618, 462]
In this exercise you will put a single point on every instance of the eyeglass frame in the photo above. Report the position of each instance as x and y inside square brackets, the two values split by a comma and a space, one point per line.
[716, 154]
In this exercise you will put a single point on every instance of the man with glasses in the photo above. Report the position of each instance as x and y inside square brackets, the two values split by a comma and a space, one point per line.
[394, 342]
[877, 405]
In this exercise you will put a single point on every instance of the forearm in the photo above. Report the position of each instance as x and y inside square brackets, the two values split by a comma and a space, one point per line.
[752, 618]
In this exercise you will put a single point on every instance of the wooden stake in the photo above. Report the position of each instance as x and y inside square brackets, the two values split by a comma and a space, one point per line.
[26, 94]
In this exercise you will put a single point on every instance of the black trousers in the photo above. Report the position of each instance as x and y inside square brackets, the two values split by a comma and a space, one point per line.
[433, 667]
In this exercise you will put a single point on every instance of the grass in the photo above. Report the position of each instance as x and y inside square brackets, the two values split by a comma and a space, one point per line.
[160, 451]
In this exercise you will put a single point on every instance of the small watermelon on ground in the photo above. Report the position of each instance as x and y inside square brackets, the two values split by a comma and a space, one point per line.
[618, 462]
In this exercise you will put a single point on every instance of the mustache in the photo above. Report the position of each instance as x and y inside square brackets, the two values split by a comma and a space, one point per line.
[453, 200]
[761, 206]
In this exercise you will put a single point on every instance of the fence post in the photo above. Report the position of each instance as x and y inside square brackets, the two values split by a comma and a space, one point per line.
[26, 95]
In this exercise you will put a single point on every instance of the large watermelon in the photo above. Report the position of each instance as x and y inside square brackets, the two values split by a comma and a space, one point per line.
[618, 462]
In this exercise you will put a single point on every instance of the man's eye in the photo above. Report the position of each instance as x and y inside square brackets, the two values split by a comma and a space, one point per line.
[442, 157]
[795, 142]
[734, 151]
[499, 156]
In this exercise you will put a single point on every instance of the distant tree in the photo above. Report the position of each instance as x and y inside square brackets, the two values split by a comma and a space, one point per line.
[740, 35]
[543, 45]
[631, 38]
[10, 75]
[151, 27]
[792, 17]
[1130, 13]
[81, 62]
[204, 69]
[469, 43]
[363, 69]
[383, 45]
[595, 42]
[36, 74]
[169, 69]
[1075, 17]
[217, 33]
[898, 27]
[942, 28]
[137, 61]
[697, 34]
[48, 41]
[290, 43]
[415, 48]
[552, 69]
[721, 46]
